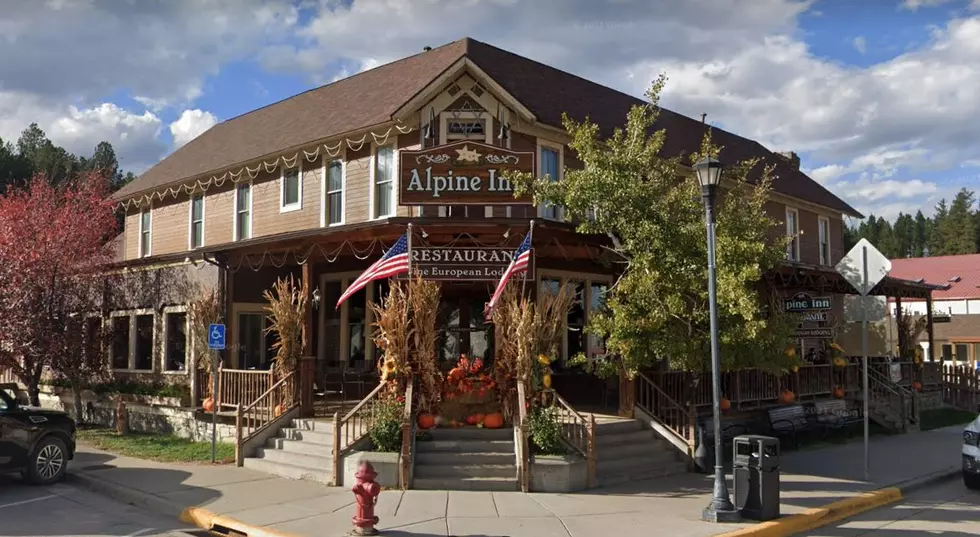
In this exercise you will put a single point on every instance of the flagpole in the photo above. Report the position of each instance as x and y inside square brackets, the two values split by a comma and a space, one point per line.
[530, 241]
[408, 295]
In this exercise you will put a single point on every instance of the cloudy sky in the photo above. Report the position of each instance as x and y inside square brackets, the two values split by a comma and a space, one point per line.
[880, 97]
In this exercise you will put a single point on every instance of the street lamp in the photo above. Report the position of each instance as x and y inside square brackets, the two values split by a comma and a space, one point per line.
[709, 172]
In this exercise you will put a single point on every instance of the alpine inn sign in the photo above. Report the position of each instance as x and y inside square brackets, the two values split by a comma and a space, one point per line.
[461, 173]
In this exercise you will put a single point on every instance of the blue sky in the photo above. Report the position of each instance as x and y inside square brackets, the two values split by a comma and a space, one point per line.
[877, 96]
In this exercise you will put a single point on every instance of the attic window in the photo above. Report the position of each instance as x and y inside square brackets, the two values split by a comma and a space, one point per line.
[466, 128]
[478, 90]
[453, 89]
[954, 279]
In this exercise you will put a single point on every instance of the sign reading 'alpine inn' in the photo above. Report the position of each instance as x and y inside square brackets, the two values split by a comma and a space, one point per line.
[461, 173]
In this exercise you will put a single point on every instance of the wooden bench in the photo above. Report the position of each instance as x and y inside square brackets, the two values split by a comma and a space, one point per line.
[790, 421]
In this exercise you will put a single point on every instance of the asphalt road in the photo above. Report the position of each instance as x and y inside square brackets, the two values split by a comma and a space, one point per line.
[65, 510]
[948, 509]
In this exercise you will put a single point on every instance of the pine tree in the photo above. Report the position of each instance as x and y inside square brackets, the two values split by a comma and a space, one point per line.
[920, 240]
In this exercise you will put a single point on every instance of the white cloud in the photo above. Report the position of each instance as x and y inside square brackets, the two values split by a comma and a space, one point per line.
[190, 125]
[860, 44]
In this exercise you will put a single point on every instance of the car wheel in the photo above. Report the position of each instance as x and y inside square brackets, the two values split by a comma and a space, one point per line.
[972, 481]
[48, 462]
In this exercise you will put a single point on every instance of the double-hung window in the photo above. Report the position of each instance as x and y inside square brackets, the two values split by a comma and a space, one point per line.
[145, 220]
[824, 239]
[384, 181]
[335, 193]
[793, 232]
[243, 212]
[291, 190]
[197, 221]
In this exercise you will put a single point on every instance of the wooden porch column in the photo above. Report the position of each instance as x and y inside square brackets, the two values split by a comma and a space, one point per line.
[226, 356]
[306, 366]
[932, 343]
[309, 286]
[898, 326]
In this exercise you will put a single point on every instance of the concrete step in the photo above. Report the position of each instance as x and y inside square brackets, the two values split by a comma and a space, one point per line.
[617, 426]
[472, 433]
[300, 446]
[465, 446]
[437, 457]
[639, 436]
[295, 459]
[468, 483]
[460, 471]
[612, 465]
[633, 449]
[607, 479]
[291, 471]
[315, 437]
[304, 424]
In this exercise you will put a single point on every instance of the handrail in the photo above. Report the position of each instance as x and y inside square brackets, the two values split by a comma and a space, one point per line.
[408, 434]
[522, 448]
[882, 383]
[578, 432]
[675, 417]
[354, 426]
[263, 412]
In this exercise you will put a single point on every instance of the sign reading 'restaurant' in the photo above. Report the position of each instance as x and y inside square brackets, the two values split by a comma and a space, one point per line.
[461, 173]
[464, 264]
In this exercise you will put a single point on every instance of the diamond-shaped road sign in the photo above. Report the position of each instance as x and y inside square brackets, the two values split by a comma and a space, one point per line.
[853, 265]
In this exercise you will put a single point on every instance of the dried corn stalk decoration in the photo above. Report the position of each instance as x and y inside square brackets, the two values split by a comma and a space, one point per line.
[424, 306]
[391, 335]
[286, 311]
[202, 312]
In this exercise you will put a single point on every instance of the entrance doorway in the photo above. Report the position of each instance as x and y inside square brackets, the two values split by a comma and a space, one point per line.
[461, 325]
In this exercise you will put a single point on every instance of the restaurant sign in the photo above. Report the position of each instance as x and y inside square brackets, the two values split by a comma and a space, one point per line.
[461, 173]
[813, 333]
[801, 302]
[464, 263]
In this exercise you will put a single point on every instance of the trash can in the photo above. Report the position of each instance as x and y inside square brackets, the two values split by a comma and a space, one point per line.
[756, 469]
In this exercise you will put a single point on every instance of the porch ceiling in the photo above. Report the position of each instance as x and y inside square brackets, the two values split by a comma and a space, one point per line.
[828, 280]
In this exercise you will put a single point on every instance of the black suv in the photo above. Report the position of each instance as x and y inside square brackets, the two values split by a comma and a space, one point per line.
[37, 443]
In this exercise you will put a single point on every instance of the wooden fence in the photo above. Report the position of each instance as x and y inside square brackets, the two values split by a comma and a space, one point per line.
[961, 386]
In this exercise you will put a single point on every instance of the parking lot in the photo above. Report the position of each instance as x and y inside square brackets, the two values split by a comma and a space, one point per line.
[69, 511]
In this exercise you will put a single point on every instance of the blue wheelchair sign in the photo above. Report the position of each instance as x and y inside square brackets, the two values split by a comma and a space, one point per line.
[216, 337]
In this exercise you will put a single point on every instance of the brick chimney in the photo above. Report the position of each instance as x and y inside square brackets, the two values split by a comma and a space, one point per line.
[791, 157]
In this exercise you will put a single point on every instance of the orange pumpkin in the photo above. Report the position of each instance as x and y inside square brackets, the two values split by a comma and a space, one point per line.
[475, 419]
[427, 421]
[725, 403]
[787, 397]
[917, 386]
[839, 392]
[208, 405]
[280, 408]
[493, 421]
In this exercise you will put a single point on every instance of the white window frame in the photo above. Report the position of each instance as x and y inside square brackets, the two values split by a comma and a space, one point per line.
[298, 205]
[394, 180]
[587, 279]
[245, 308]
[190, 220]
[251, 214]
[446, 117]
[149, 233]
[131, 357]
[188, 343]
[324, 193]
[545, 144]
[823, 228]
[793, 248]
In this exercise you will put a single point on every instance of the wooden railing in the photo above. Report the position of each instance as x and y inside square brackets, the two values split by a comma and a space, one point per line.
[578, 431]
[240, 387]
[522, 449]
[678, 419]
[961, 387]
[408, 439]
[353, 426]
[261, 413]
[882, 391]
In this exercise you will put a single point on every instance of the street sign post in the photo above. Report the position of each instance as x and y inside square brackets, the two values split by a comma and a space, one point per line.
[216, 342]
[864, 267]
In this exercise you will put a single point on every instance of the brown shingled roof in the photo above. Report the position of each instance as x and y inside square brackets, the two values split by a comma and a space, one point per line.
[370, 98]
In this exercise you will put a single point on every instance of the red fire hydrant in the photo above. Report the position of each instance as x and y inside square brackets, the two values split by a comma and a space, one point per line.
[366, 492]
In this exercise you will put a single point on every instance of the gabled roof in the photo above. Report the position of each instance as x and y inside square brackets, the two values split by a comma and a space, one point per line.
[960, 272]
[372, 97]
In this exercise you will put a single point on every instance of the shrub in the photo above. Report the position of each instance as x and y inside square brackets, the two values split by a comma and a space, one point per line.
[545, 431]
[386, 431]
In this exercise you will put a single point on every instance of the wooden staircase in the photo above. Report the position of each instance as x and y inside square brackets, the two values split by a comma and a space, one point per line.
[891, 405]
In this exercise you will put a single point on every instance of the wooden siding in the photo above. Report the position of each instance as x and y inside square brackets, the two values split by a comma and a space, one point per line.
[267, 218]
[170, 226]
[357, 196]
[810, 238]
[131, 233]
[219, 208]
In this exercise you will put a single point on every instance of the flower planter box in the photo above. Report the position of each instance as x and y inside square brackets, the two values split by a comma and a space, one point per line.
[558, 473]
[385, 464]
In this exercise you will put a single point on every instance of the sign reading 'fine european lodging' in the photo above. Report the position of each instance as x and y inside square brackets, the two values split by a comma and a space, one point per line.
[461, 173]
[463, 264]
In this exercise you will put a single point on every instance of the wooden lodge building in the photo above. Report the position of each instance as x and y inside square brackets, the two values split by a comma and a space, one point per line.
[319, 184]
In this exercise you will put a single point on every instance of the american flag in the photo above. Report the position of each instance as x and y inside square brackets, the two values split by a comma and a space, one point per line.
[393, 262]
[522, 256]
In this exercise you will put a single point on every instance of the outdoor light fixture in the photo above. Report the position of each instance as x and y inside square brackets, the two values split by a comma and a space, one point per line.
[721, 509]
[315, 298]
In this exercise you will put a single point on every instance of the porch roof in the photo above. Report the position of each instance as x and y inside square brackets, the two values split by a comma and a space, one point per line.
[827, 279]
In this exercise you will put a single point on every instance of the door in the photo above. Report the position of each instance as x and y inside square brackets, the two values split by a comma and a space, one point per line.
[14, 437]
[462, 329]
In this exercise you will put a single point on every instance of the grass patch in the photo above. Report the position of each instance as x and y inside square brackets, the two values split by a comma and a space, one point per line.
[937, 418]
[155, 447]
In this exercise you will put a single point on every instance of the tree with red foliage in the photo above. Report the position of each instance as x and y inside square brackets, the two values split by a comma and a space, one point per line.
[54, 252]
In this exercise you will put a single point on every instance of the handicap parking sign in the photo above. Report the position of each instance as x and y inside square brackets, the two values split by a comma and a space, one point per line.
[216, 337]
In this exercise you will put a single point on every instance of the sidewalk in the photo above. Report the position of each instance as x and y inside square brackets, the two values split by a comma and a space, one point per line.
[672, 505]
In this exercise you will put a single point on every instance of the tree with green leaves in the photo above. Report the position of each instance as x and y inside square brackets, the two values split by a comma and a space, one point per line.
[658, 307]
[920, 235]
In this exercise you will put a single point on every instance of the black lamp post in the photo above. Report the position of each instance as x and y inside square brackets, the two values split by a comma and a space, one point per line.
[709, 172]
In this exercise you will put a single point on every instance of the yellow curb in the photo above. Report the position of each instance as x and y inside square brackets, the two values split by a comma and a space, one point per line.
[820, 516]
[206, 520]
